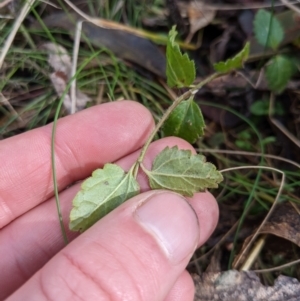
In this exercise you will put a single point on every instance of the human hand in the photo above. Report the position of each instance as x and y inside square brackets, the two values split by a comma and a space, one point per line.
[137, 252]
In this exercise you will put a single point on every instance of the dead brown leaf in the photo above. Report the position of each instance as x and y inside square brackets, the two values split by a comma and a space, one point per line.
[60, 61]
[199, 16]
[122, 43]
[58, 58]
[285, 223]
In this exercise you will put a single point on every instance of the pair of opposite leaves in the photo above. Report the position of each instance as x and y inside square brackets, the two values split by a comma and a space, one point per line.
[173, 169]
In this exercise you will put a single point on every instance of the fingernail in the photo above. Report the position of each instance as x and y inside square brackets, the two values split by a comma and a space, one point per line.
[172, 223]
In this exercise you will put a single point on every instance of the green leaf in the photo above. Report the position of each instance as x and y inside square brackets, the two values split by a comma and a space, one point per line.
[278, 72]
[180, 69]
[182, 172]
[234, 63]
[261, 108]
[268, 140]
[186, 121]
[244, 145]
[106, 189]
[267, 29]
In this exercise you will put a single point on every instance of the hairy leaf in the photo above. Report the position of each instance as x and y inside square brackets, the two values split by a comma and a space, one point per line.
[180, 69]
[106, 189]
[279, 72]
[234, 63]
[186, 121]
[182, 172]
[267, 29]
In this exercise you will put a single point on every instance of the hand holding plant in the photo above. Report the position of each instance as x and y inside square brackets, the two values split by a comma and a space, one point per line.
[140, 249]
[173, 169]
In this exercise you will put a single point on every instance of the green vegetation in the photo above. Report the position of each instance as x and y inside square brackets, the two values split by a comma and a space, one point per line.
[250, 126]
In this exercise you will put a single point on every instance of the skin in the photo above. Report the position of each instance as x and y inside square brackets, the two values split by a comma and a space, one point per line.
[122, 256]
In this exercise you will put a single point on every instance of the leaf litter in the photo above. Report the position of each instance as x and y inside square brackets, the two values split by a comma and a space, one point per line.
[60, 61]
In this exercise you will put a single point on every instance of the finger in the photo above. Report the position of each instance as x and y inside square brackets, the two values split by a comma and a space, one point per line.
[84, 142]
[207, 210]
[183, 289]
[37, 234]
[139, 250]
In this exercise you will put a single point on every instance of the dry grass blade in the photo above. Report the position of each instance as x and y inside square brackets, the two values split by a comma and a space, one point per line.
[245, 153]
[4, 100]
[279, 125]
[280, 267]
[106, 23]
[4, 3]
[271, 209]
[219, 243]
[291, 5]
[254, 254]
[18, 22]
[248, 5]
[50, 4]
[74, 65]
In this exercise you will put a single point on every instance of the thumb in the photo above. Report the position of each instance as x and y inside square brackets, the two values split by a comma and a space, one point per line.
[137, 252]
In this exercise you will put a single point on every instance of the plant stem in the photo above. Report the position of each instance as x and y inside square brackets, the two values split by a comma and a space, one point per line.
[55, 185]
[61, 222]
[167, 113]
